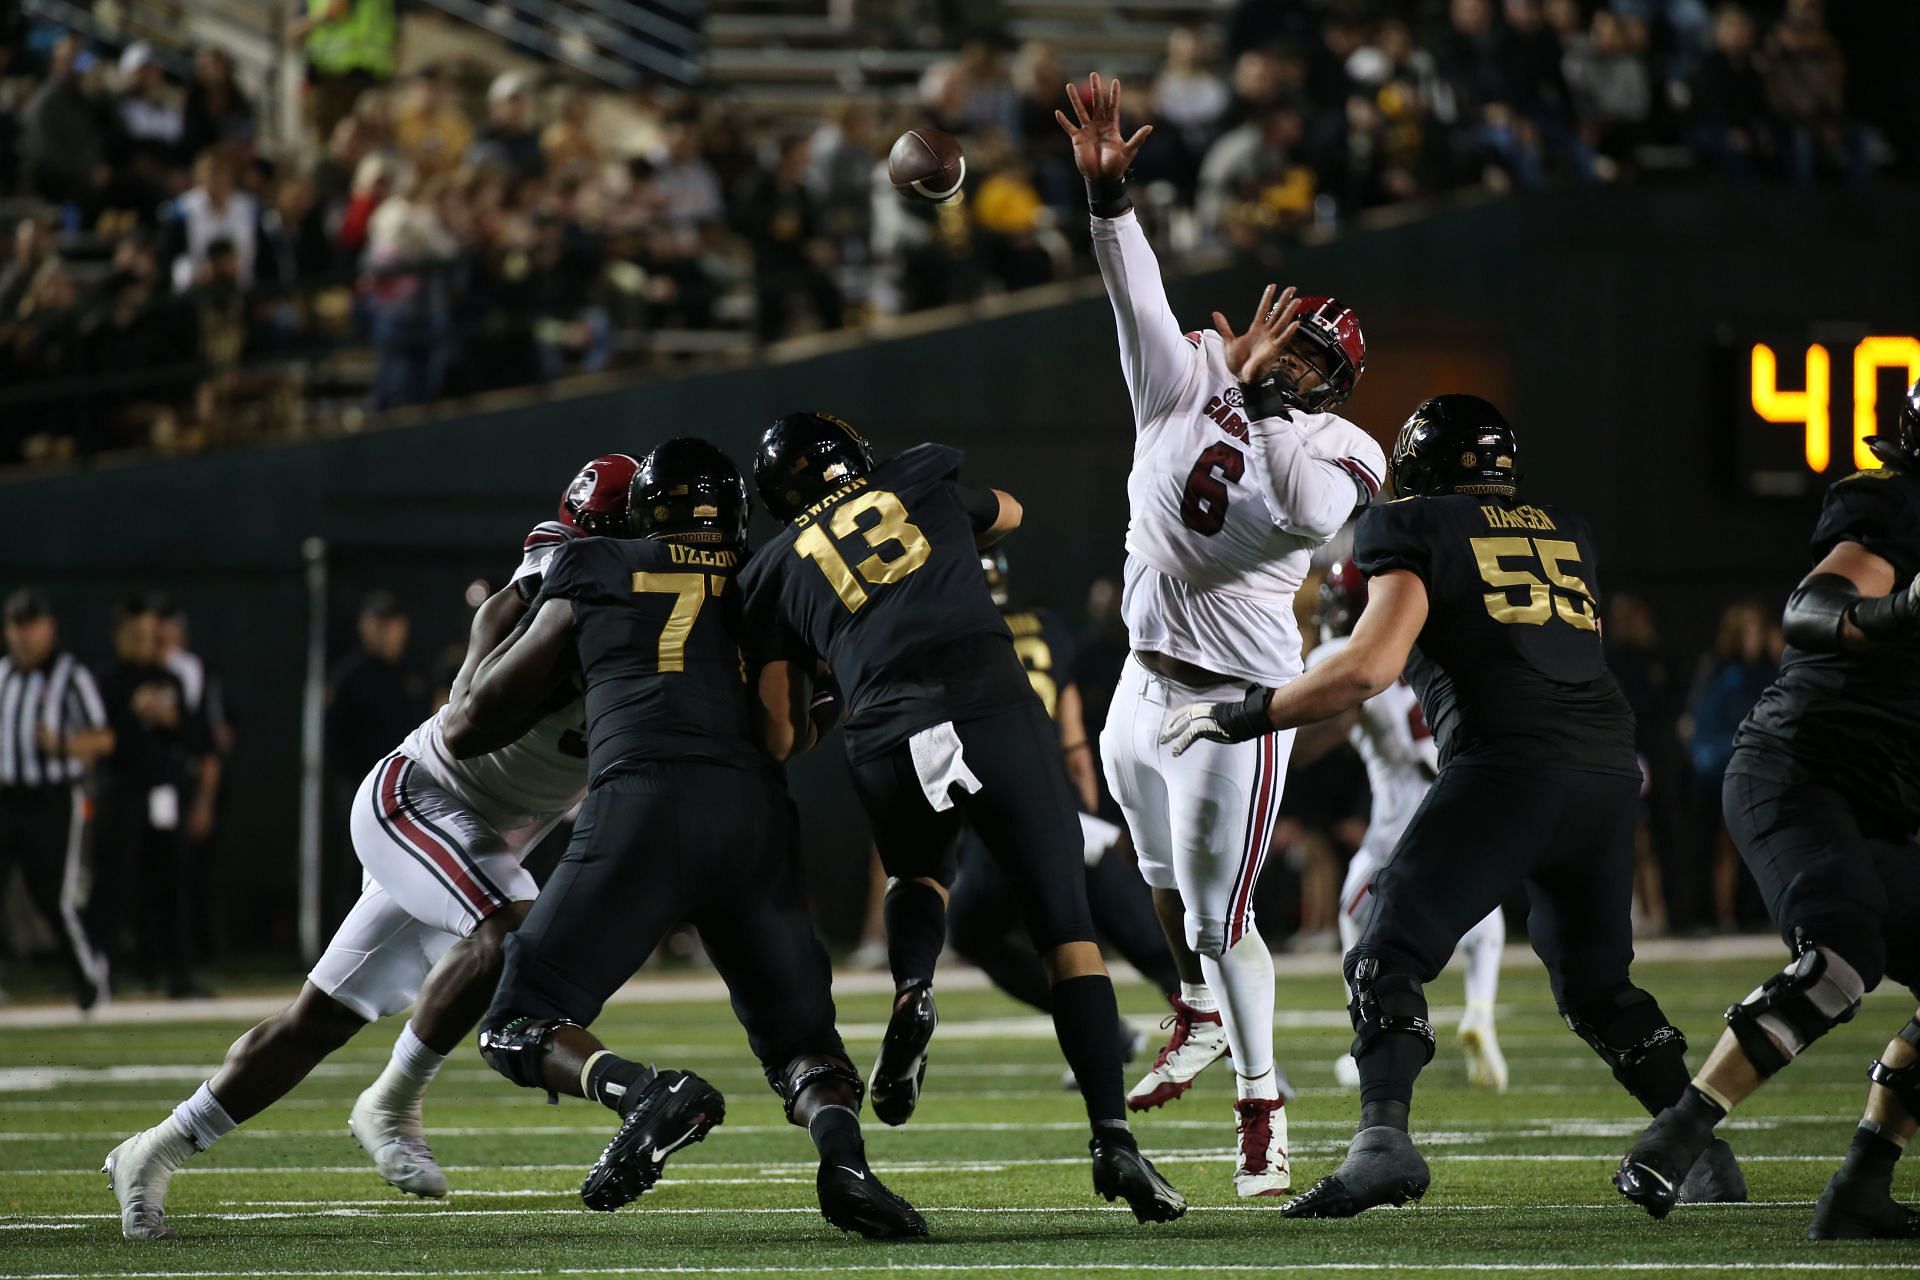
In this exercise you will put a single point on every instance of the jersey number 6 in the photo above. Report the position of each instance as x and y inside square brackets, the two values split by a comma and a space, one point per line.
[892, 526]
[1203, 503]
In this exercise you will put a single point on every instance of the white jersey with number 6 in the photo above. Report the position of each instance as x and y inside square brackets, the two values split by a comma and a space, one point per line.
[1224, 513]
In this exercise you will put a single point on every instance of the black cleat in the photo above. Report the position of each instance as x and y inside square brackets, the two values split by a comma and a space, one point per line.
[675, 1110]
[1382, 1167]
[1715, 1177]
[1852, 1209]
[856, 1200]
[894, 1090]
[1652, 1173]
[1121, 1172]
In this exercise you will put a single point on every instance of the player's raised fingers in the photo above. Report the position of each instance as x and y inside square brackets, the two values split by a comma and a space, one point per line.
[1139, 136]
[1286, 305]
[1065, 123]
[1099, 102]
[1263, 314]
[1223, 327]
[1079, 107]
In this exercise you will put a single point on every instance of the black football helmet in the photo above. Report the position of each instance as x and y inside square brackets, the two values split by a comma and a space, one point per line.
[993, 563]
[687, 490]
[1343, 597]
[802, 455]
[1903, 450]
[1455, 444]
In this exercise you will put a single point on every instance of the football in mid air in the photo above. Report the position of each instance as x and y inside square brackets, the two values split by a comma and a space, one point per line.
[926, 164]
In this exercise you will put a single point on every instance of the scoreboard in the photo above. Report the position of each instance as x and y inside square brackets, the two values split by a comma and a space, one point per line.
[1805, 403]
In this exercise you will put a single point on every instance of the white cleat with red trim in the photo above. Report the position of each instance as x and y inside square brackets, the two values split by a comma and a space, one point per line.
[1198, 1041]
[1262, 1134]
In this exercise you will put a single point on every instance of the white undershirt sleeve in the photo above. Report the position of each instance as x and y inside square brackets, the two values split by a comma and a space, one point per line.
[1155, 353]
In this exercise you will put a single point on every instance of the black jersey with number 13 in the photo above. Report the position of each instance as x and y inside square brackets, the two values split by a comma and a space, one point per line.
[881, 578]
[1509, 665]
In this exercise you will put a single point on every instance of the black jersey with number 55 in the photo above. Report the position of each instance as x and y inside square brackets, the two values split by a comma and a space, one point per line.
[1509, 665]
[657, 628]
[881, 578]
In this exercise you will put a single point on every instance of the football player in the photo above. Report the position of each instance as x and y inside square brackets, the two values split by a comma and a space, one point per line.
[979, 922]
[441, 842]
[1391, 735]
[877, 573]
[1240, 470]
[1488, 605]
[686, 818]
[1823, 797]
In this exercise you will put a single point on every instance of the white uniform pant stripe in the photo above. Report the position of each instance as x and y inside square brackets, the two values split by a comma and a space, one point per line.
[92, 962]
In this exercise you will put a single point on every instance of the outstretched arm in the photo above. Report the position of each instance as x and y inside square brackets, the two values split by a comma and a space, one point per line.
[513, 686]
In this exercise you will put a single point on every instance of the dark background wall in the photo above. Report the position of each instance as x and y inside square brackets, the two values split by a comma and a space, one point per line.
[1593, 318]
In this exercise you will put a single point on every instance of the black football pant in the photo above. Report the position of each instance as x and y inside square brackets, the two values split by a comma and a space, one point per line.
[1024, 814]
[659, 844]
[983, 925]
[1829, 868]
[42, 832]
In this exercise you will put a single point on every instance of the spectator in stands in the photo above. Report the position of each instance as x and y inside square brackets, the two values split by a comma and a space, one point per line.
[510, 139]
[1255, 181]
[1743, 663]
[213, 211]
[1262, 80]
[149, 124]
[1612, 92]
[351, 46]
[65, 128]
[567, 266]
[33, 247]
[293, 243]
[374, 181]
[845, 148]
[1727, 97]
[223, 327]
[567, 145]
[792, 259]
[409, 255]
[431, 131]
[971, 92]
[1010, 217]
[217, 113]
[1037, 76]
[1189, 102]
[687, 186]
[1806, 88]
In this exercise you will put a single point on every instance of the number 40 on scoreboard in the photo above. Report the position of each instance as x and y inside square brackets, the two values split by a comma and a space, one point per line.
[1796, 397]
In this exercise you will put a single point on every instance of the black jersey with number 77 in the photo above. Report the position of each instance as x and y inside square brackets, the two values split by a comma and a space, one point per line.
[881, 578]
[1509, 666]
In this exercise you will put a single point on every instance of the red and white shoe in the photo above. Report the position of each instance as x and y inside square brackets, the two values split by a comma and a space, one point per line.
[1198, 1041]
[1263, 1169]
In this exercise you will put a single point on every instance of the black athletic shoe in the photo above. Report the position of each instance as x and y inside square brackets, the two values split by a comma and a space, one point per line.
[1651, 1174]
[894, 1090]
[1859, 1210]
[856, 1200]
[1121, 1172]
[1715, 1177]
[1382, 1167]
[675, 1110]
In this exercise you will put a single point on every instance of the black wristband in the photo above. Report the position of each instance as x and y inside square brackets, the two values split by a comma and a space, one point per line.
[1267, 398]
[1108, 197]
[1249, 720]
[1887, 617]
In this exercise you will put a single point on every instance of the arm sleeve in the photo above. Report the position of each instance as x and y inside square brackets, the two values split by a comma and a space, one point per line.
[1305, 493]
[1389, 538]
[1157, 358]
[981, 505]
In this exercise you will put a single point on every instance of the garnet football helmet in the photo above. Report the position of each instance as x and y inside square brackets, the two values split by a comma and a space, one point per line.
[1334, 329]
[595, 500]
[1343, 596]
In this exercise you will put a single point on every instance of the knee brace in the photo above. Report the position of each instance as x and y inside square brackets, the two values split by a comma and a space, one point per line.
[515, 1047]
[1625, 1028]
[799, 1078]
[1902, 1082]
[1795, 1007]
[1386, 1002]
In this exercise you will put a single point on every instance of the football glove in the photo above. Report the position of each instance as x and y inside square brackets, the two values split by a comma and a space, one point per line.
[1239, 721]
[1889, 617]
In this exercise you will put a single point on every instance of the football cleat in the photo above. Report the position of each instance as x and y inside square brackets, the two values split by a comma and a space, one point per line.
[901, 1067]
[1486, 1065]
[1198, 1041]
[1858, 1210]
[1121, 1172]
[1651, 1174]
[1715, 1178]
[138, 1171]
[398, 1147]
[1382, 1167]
[675, 1110]
[856, 1200]
[1262, 1140]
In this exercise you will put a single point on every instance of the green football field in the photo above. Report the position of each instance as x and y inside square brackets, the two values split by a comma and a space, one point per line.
[996, 1158]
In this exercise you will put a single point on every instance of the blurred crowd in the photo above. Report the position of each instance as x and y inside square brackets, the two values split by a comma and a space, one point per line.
[179, 274]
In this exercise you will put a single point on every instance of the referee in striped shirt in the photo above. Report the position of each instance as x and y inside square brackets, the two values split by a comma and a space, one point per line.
[53, 725]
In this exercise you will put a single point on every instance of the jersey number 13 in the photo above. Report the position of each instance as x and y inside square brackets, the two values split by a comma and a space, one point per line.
[890, 527]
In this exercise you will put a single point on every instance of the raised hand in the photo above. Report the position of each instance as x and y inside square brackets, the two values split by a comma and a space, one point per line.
[1099, 149]
[1252, 355]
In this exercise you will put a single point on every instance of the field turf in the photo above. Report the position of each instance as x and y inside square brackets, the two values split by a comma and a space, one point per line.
[995, 1158]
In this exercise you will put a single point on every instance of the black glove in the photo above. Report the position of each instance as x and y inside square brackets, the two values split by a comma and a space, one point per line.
[1894, 616]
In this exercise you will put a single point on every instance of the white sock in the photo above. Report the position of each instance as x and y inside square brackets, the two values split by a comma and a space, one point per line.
[1244, 979]
[1482, 946]
[1198, 996]
[202, 1119]
[407, 1074]
[1262, 1086]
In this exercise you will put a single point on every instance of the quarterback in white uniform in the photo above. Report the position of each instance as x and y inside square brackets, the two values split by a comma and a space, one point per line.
[441, 842]
[1239, 472]
[1394, 742]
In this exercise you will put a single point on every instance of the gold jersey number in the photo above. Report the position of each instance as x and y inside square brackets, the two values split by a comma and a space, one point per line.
[1036, 655]
[1551, 593]
[689, 592]
[877, 570]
